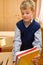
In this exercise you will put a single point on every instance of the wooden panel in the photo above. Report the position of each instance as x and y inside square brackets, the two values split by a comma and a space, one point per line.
[1, 15]
[10, 14]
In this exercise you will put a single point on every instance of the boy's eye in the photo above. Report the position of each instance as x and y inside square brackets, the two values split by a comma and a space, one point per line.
[22, 13]
[27, 13]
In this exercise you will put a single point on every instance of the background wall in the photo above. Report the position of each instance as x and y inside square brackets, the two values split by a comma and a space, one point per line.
[9, 14]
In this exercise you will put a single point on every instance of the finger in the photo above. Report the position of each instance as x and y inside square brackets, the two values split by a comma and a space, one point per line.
[36, 57]
[35, 60]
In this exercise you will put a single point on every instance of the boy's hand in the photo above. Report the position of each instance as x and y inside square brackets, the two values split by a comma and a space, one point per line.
[35, 59]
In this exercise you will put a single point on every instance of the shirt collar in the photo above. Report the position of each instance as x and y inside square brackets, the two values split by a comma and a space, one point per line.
[31, 20]
[30, 23]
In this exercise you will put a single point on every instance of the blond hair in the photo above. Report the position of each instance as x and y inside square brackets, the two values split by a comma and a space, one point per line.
[27, 4]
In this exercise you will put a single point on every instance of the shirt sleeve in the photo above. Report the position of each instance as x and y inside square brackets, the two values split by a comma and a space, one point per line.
[17, 43]
[38, 39]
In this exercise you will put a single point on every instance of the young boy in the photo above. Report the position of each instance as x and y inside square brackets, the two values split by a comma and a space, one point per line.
[28, 33]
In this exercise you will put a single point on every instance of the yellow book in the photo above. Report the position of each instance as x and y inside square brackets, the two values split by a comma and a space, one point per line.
[25, 57]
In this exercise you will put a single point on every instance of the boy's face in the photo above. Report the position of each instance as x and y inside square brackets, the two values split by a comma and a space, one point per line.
[27, 15]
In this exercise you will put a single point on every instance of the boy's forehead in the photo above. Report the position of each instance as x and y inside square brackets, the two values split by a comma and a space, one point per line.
[26, 10]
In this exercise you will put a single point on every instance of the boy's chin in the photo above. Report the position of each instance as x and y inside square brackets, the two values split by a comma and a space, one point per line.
[26, 21]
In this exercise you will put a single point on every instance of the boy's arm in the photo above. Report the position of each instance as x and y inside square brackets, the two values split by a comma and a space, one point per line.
[16, 44]
[38, 43]
[38, 39]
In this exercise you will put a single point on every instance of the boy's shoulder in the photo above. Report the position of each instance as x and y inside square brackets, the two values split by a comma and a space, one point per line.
[35, 26]
[19, 23]
[36, 23]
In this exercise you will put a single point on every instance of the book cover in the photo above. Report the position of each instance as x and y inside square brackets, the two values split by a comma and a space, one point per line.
[25, 57]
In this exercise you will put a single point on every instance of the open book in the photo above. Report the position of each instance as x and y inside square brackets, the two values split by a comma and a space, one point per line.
[25, 57]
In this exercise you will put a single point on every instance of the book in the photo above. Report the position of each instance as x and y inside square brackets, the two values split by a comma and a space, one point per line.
[25, 57]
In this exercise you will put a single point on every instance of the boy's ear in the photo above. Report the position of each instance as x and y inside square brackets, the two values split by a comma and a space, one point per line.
[33, 11]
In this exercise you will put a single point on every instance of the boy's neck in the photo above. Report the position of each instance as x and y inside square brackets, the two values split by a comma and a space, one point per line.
[27, 24]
